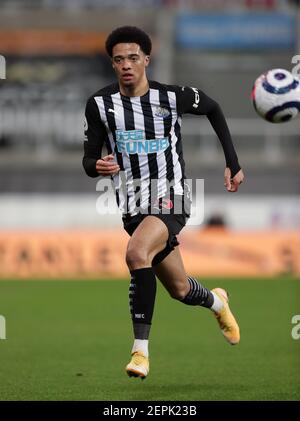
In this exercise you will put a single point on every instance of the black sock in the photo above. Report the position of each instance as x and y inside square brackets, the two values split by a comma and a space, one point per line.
[198, 295]
[142, 291]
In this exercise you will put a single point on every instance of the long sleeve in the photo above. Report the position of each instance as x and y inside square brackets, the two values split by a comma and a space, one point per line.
[95, 134]
[194, 101]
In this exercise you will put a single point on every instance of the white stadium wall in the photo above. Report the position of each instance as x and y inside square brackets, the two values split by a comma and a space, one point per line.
[35, 211]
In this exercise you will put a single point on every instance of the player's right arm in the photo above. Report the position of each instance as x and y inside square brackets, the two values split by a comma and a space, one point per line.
[95, 133]
[195, 101]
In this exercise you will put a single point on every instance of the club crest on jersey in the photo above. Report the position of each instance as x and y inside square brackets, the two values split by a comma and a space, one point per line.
[162, 112]
[163, 203]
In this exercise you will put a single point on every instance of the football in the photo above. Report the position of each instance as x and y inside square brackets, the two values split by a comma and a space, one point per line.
[276, 96]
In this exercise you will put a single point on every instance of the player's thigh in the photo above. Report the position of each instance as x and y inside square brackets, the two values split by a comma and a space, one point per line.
[150, 236]
[172, 274]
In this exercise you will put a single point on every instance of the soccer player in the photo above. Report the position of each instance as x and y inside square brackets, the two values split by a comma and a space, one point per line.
[139, 122]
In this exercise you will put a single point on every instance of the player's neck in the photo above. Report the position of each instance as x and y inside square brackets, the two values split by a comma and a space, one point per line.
[136, 90]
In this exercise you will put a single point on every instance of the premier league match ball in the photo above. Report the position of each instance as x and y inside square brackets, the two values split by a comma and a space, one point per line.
[276, 96]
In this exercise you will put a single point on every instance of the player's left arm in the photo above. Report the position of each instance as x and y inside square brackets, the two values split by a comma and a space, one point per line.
[195, 101]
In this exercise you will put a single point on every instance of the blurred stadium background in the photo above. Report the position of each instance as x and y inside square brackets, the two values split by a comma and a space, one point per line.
[49, 224]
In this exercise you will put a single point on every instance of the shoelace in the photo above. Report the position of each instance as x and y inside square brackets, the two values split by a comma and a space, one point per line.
[138, 359]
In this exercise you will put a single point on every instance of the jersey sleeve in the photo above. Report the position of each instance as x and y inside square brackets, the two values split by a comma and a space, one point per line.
[195, 101]
[95, 133]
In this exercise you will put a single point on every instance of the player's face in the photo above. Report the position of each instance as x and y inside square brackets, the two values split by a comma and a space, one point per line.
[129, 63]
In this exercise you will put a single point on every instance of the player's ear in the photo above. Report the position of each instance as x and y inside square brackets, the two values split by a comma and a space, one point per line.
[147, 60]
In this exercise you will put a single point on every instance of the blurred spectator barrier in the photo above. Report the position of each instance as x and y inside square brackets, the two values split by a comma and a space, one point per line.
[74, 5]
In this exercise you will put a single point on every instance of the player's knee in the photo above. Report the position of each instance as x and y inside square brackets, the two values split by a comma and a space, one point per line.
[136, 258]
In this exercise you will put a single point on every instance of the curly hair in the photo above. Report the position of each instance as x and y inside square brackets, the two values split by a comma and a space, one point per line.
[128, 34]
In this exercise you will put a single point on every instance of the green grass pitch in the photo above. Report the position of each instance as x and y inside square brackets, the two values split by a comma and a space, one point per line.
[70, 340]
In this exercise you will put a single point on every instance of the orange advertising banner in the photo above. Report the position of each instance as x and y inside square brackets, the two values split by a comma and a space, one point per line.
[101, 254]
[51, 41]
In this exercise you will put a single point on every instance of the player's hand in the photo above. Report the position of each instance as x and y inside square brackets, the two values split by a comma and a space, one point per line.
[232, 184]
[107, 166]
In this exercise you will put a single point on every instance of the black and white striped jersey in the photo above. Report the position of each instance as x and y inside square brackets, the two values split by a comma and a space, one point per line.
[144, 135]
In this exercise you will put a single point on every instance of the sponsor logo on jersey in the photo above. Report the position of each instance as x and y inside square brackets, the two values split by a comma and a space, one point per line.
[134, 142]
[161, 112]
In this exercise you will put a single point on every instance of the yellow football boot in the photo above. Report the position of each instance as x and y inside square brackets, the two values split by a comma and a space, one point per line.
[138, 366]
[226, 319]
